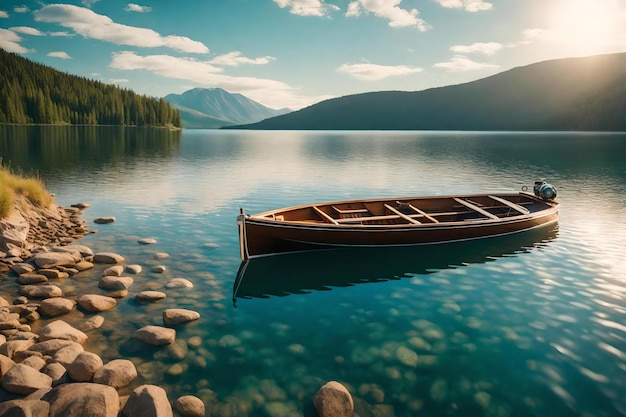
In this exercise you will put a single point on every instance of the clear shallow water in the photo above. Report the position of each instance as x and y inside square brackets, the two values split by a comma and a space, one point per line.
[528, 325]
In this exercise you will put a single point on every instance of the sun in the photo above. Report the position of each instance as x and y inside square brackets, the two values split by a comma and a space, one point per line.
[586, 27]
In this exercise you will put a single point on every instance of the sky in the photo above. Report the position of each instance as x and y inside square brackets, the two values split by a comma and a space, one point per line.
[294, 53]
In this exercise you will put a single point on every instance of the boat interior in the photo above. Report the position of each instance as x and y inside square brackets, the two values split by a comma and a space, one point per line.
[416, 211]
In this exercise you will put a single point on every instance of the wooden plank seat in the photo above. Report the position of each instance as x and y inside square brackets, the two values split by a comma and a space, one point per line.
[476, 208]
[514, 206]
[324, 215]
[402, 215]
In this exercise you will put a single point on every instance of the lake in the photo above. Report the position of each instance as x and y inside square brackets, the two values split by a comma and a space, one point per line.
[526, 325]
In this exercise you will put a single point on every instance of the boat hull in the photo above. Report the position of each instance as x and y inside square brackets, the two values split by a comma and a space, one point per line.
[263, 236]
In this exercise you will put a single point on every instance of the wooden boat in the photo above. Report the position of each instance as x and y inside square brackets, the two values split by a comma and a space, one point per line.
[395, 221]
[301, 273]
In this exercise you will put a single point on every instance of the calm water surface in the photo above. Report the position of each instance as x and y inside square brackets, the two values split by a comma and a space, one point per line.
[528, 325]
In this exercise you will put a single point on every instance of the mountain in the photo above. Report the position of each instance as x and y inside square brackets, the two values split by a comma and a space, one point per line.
[32, 93]
[565, 94]
[220, 108]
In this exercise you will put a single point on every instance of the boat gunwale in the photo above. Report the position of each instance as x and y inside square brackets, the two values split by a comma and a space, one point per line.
[262, 218]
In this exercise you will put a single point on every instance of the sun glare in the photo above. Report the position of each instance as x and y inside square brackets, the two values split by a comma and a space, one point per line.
[586, 27]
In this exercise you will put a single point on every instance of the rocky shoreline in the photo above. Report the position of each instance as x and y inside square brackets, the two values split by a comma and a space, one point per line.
[49, 373]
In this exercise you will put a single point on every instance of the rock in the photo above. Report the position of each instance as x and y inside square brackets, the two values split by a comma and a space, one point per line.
[96, 303]
[155, 335]
[118, 373]
[333, 400]
[84, 366]
[190, 406]
[90, 324]
[81, 206]
[66, 355]
[34, 362]
[56, 371]
[150, 296]
[82, 250]
[147, 241]
[30, 278]
[56, 306]
[108, 258]
[5, 364]
[53, 273]
[10, 348]
[24, 408]
[161, 255]
[179, 283]
[59, 329]
[133, 269]
[159, 269]
[83, 265]
[148, 401]
[115, 283]
[174, 316]
[13, 323]
[22, 379]
[41, 291]
[115, 271]
[22, 268]
[104, 220]
[50, 347]
[54, 259]
[210, 245]
[83, 399]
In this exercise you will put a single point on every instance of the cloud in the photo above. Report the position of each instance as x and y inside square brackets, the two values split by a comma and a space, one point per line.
[10, 42]
[462, 64]
[4, 14]
[468, 5]
[21, 9]
[234, 58]
[388, 9]
[307, 7]
[59, 54]
[132, 7]
[89, 3]
[26, 30]
[118, 80]
[89, 24]
[61, 34]
[373, 72]
[485, 48]
[271, 93]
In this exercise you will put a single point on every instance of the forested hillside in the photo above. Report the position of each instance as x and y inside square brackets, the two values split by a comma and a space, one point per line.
[586, 93]
[31, 93]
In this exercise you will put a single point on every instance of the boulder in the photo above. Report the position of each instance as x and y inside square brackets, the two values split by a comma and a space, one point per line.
[96, 303]
[41, 291]
[179, 283]
[174, 316]
[104, 220]
[147, 241]
[155, 335]
[190, 406]
[150, 296]
[54, 259]
[90, 324]
[34, 362]
[83, 265]
[81, 206]
[115, 271]
[333, 400]
[53, 273]
[108, 258]
[148, 401]
[115, 283]
[56, 306]
[50, 347]
[82, 250]
[65, 356]
[159, 269]
[22, 268]
[133, 269]
[56, 371]
[84, 366]
[83, 399]
[118, 373]
[59, 329]
[5, 364]
[31, 278]
[10, 348]
[22, 379]
[24, 408]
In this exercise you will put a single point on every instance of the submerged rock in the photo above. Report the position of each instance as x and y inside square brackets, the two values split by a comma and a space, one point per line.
[150, 296]
[333, 400]
[96, 303]
[104, 220]
[155, 335]
[174, 316]
[190, 406]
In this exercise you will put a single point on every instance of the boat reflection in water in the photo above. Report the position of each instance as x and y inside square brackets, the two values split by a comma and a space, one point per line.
[303, 272]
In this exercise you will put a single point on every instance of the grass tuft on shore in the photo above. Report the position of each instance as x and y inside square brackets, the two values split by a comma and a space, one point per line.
[11, 185]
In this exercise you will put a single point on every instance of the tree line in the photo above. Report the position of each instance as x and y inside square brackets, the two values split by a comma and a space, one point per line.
[32, 93]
